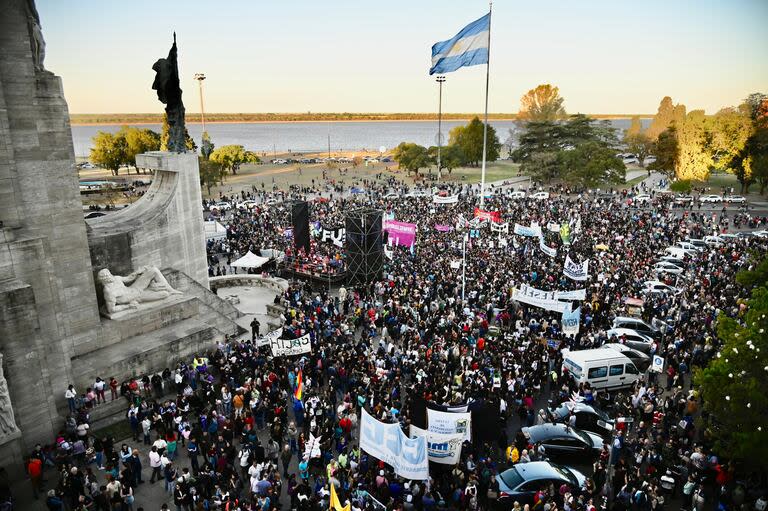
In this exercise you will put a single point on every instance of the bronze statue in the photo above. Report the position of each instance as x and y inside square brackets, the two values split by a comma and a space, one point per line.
[169, 92]
[35, 36]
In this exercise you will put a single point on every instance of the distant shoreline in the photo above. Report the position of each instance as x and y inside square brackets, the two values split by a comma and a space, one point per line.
[132, 119]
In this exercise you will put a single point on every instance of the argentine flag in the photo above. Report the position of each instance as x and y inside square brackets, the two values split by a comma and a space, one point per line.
[467, 48]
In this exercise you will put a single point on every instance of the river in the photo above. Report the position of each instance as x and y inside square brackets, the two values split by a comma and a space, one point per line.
[312, 136]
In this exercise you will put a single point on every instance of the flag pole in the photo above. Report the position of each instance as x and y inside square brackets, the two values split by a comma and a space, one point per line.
[485, 126]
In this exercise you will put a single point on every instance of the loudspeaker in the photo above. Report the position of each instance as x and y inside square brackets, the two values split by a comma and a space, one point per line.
[364, 246]
[300, 221]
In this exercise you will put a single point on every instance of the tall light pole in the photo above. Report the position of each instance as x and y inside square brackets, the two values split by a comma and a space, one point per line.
[200, 77]
[440, 79]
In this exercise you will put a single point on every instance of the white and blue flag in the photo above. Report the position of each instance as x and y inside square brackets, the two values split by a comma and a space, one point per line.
[467, 48]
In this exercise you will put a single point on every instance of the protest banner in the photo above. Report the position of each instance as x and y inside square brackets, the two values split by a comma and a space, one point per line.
[576, 271]
[443, 449]
[312, 447]
[443, 228]
[401, 233]
[450, 423]
[553, 227]
[522, 230]
[551, 252]
[579, 294]
[492, 216]
[451, 199]
[500, 228]
[388, 443]
[335, 236]
[565, 234]
[570, 321]
[288, 347]
[263, 341]
[538, 298]
[658, 364]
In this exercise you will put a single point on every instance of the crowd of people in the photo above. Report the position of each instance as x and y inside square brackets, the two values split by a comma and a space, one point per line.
[228, 429]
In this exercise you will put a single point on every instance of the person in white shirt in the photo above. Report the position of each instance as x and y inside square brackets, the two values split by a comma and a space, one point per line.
[155, 465]
[71, 394]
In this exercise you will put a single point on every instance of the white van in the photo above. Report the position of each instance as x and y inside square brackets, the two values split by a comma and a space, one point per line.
[601, 368]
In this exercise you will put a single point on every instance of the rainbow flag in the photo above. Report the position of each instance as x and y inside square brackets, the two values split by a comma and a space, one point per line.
[299, 386]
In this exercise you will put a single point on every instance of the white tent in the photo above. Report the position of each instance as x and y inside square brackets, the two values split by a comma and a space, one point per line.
[214, 230]
[250, 260]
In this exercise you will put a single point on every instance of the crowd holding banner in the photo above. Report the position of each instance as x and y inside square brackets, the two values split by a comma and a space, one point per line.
[451, 199]
[387, 442]
[450, 423]
[443, 449]
[400, 233]
[576, 271]
[289, 347]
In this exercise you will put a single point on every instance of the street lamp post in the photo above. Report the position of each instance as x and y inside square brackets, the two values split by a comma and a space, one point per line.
[200, 77]
[440, 79]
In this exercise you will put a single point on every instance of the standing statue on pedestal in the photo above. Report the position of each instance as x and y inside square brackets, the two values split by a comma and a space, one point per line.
[147, 284]
[7, 420]
[169, 92]
[35, 36]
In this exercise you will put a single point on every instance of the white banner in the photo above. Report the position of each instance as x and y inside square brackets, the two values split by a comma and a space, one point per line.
[450, 423]
[443, 449]
[570, 321]
[658, 364]
[538, 298]
[532, 231]
[553, 227]
[551, 252]
[576, 271]
[335, 236]
[288, 347]
[451, 199]
[312, 447]
[579, 294]
[500, 227]
[388, 443]
[271, 336]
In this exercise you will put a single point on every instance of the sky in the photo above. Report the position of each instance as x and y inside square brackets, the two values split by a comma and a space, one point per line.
[606, 56]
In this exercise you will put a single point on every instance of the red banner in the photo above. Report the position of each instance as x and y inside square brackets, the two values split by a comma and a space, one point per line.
[493, 216]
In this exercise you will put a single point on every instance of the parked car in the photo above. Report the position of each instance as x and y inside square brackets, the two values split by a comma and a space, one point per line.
[638, 324]
[587, 417]
[601, 369]
[683, 199]
[700, 244]
[736, 199]
[631, 338]
[640, 359]
[643, 198]
[563, 440]
[674, 260]
[714, 241]
[517, 195]
[247, 204]
[686, 245]
[220, 206]
[711, 198]
[521, 482]
[539, 195]
[667, 267]
[658, 287]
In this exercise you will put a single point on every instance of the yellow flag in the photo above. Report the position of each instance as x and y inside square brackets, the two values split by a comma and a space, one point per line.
[335, 504]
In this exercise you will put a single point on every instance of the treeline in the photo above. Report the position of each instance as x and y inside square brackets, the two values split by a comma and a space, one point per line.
[298, 117]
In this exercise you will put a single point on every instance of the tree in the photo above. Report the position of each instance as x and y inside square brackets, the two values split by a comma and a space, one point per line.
[694, 159]
[733, 384]
[635, 127]
[665, 150]
[730, 131]
[665, 116]
[211, 173]
[109, 151]
[165, 135]
[756, 104]
[411, 156]
[138, 141]
[207, 146]
[451, 157]
[469, 139]
[230, 157]
[591, 163]
[757, 155]
[637, 141]
[541, 104]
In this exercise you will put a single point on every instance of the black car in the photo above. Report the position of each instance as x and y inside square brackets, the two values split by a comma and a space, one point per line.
[563, 440]
[588, 417]
[521, 482]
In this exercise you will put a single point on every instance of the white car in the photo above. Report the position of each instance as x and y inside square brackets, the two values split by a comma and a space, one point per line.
[539, 195]
[247, 204]
[417, 193]
[643, 198]
[736, 198]
[658, 287]
[760, 234]
[667, 267]
[517, 195]
[683, 199]
[88, 165]
[220, 206]
[674, 260]
[685, 245]
[391, 195]
[711, 198]
[714, 241]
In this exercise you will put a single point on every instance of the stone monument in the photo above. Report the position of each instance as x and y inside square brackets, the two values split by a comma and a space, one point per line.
[51, 331]
[169, 92]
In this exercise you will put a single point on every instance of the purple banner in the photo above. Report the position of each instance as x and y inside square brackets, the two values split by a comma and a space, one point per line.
[401, 233]
[443, 228]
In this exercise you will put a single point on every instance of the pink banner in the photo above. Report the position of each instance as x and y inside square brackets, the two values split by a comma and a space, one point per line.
[401, 233]
[443, 228]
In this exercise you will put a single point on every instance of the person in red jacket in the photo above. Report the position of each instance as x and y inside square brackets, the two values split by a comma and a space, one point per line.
[35, 471]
